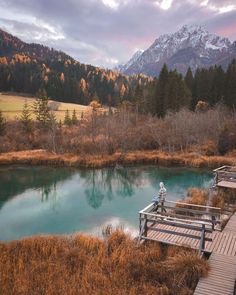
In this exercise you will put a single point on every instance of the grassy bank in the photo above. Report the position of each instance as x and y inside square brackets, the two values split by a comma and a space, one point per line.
[43, 157]
[86, 265]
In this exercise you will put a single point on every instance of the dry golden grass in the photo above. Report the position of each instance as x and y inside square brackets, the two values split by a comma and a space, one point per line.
[197, 196]
[43, 157]
[12, 106]
[87, 265]
[225, 199]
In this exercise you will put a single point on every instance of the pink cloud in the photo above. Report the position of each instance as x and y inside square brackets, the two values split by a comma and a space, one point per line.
[227, 31]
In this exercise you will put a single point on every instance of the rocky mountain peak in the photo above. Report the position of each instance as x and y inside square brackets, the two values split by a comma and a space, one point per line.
[203, 48]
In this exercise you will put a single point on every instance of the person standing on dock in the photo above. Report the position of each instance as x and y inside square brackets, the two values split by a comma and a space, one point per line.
[160, 200]
[162, 196]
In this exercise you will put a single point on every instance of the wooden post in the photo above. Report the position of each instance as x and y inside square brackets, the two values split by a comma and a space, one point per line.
[202, 241]
[213, 219]
[145, 226]
[140, 222]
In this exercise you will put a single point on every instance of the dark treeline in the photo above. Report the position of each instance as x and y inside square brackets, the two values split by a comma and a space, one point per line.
[172, 91]
[70, 81]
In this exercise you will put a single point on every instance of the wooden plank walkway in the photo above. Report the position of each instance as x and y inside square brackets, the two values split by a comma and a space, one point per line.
[221, 278]
[222, 275]
[227, 184]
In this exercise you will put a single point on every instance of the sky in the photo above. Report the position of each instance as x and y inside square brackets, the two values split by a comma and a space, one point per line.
[108, 32]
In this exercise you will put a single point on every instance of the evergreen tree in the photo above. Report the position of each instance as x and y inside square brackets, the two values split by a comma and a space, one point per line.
[67, 118]
[160, 92]
[26, 119]
[217, 86]
[230, 85]
[138, 97]
[189, 80]
[74, 119]
[2, 124]
[41, 108]
[171, 92]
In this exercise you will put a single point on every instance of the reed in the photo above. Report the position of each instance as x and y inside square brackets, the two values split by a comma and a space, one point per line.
[88, 265]
[44, 157]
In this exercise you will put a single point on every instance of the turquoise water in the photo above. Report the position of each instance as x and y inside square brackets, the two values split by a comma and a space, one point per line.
[42, 200]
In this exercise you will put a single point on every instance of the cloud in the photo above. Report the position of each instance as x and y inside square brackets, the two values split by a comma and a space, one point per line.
[106, 32]
[164, 4]
[32, 32]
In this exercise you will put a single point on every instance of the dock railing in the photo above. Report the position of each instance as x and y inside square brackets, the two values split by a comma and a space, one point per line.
[196, 219]
[225, 173]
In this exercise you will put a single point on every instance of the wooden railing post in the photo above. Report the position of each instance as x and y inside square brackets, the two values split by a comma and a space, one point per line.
[145, 226]
[202, 241]
[213, 219]
[142, 226]
[140, 222]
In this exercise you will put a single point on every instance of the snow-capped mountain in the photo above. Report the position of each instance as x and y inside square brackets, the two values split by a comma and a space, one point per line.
[191, 46]
[124, 67]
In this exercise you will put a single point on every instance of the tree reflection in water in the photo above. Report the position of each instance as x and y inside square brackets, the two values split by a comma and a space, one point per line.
[16, 180]
[49, 193]
[101, 183]
[98, 184]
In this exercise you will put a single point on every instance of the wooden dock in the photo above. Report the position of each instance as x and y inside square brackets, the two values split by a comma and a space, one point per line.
[202, 235]
[226, 184]
[225, 177]
[175, 224]
[222, 275]
[198, 227]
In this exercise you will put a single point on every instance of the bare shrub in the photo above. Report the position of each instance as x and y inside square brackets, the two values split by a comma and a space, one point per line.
[127, 131]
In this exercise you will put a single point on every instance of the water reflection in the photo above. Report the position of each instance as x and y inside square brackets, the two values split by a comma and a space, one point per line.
[99, 184]
[16, 180]
[106, 183]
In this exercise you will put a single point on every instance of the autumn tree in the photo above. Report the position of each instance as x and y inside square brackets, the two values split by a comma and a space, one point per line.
[224, 141]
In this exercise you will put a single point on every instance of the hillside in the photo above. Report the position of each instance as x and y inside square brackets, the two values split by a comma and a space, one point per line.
[190, 46]
[26, 68]
[10, 46]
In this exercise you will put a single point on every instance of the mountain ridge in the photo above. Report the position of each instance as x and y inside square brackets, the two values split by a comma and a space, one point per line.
[11, 45]
[203, 50]
[29, 67]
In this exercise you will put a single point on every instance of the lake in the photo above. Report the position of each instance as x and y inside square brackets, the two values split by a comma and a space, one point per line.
[43, 200]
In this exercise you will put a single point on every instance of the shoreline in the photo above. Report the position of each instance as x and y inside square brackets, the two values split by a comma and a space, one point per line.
[156, 157]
